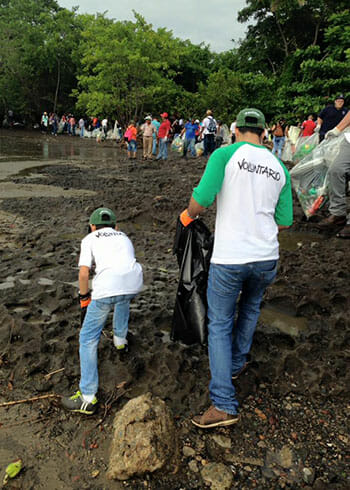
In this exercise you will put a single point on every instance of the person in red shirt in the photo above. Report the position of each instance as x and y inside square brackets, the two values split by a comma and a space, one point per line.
[308, 126]
[163, 133]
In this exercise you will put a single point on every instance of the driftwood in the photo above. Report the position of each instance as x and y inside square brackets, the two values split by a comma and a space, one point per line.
[26, 400]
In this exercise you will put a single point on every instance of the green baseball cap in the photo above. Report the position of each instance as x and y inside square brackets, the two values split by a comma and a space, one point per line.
[250, 118]
[103, 216]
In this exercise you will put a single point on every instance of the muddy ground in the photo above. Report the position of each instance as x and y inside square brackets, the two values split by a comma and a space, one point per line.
[294, 400]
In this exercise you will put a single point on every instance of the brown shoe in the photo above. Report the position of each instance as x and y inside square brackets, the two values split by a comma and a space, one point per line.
[345, 232]
[242, 370]
[214, 418]
[332, 221]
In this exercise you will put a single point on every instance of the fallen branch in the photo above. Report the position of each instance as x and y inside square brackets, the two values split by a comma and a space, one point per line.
[26, 400]
[48, 376]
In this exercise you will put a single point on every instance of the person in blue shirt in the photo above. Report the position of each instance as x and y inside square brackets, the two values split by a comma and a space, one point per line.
[190, 138]
[156, 124]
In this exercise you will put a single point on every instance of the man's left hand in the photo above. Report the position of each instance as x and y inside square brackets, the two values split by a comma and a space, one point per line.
[333, 133]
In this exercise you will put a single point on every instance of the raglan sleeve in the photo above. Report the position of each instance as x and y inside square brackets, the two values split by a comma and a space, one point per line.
[284, 208]
[211, 182]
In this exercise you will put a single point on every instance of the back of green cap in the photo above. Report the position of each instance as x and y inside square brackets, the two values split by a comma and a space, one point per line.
[250, 118]
[103, 216]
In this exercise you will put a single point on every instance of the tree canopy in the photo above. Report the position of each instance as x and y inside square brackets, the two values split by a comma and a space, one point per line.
[294, 58]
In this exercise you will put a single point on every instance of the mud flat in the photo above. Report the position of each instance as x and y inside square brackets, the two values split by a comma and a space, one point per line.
[295, 402]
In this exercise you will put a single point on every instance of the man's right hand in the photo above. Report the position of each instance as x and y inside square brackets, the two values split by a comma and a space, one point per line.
[185, 218]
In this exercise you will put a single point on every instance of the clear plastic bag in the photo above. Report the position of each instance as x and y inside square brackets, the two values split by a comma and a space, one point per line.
[177, 144]
[199, 148]
[310, 175]
[304, 146]
[287, 153]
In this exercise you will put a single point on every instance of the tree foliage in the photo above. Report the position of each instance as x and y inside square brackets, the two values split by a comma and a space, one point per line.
[294, 58]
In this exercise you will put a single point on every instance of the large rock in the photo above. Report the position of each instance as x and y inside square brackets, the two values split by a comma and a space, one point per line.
[217, 476]
[144, 438]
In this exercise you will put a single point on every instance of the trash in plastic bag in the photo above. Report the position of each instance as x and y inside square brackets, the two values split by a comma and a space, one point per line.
[304, 146]
[293, 134]
[177, 144]
[287, 153]
[226, 135]
[310, 175]
[193, 248]
[199, 148]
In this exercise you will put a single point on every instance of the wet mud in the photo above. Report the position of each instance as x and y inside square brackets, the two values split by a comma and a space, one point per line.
[296, 392]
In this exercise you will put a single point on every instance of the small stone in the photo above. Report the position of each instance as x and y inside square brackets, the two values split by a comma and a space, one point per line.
[261, 444]
[288, 406]
[308, 475]
[193, 466]
[285, 457]
[188, 451]
[222, 441]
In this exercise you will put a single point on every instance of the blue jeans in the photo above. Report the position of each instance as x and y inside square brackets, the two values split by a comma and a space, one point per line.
[82, 132]
[154, 147]
[96, 317]
[230, 340]
[163, 149]
[132, 145]
[278, 144]
[189, 145]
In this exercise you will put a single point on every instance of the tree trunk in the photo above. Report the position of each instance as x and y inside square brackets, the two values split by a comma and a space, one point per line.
[317, 30]
[57, 84]
[285, 44]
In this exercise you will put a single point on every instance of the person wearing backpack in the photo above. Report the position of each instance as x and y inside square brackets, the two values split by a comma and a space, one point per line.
[209, 126]
[278, 131]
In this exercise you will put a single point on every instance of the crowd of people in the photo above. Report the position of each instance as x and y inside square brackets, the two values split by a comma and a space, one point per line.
[157, 132]
[244, 178]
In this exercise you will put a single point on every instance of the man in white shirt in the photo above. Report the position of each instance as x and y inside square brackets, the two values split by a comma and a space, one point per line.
[105, 125]
[118, 278]
[233, 129]
[208, 129]
[253, 202]
[338, 178]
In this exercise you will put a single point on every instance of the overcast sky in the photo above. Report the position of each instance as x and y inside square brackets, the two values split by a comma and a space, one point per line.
[211, 21]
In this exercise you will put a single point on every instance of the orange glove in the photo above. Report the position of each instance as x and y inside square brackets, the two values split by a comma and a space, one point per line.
[185, 218]
[85, 300]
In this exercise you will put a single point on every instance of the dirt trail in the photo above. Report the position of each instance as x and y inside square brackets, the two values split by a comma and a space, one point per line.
[296, 394]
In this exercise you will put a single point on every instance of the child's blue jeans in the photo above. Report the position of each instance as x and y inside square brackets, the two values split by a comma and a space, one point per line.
[96, 317]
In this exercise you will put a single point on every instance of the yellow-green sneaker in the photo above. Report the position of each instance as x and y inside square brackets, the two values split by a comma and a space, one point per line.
[76, 403]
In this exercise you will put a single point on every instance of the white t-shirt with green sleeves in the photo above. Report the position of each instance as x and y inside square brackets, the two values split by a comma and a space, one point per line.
[254, 196]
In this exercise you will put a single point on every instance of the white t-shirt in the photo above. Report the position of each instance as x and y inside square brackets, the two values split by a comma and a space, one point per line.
[205, 124]
[117, 271]
[104, 123]
[233, 127]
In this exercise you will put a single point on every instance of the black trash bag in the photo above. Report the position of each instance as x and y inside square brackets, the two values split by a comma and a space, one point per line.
[193, 247]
